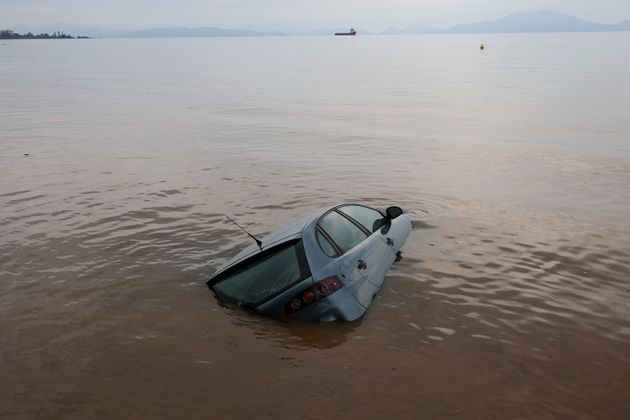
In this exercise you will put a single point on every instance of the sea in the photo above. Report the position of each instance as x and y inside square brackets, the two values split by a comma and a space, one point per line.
[121, 158]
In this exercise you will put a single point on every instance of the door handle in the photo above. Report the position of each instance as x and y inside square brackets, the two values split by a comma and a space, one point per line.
[362, 265]
[389, 242]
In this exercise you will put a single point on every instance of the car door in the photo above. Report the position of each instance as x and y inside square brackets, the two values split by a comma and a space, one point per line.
[355, 254]
[359, 269]
[366, 258]
[378, 254]
[394, 232]
[397, 232]
[375, 260]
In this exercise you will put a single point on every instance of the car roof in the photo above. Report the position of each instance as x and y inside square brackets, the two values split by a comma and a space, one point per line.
[285, 234]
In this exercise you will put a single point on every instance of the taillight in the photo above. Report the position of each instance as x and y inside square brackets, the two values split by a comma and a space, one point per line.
[326, 287]
[320, 290]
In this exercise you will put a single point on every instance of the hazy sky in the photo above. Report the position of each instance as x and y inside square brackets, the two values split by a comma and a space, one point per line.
[291, 15]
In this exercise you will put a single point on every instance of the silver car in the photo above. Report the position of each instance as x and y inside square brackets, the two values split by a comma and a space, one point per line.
[325, 267]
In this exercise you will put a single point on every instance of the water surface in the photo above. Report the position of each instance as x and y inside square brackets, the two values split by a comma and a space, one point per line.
[512, 299]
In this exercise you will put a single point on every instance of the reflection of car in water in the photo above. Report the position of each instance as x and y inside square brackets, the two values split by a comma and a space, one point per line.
[327, 266]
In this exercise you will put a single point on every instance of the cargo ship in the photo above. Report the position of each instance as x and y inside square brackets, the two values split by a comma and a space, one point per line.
[351, 32]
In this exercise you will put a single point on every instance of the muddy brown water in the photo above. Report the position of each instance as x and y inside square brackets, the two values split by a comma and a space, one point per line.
[512, 301]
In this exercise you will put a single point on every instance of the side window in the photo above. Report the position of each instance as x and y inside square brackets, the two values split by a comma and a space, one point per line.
[325, 245]
[369, 218]
[342, 231]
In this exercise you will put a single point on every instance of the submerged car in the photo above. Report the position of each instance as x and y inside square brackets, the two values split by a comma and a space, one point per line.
[325, 267]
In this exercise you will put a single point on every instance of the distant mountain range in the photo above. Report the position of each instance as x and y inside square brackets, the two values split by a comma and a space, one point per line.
[522, 22]
[182, 32]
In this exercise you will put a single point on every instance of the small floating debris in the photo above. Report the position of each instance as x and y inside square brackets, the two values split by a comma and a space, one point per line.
[27, 154]
[482, 47]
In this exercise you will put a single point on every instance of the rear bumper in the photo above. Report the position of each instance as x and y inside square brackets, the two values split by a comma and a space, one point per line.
[340, 306]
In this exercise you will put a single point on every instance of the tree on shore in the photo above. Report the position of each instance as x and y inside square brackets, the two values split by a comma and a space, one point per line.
[9, 34]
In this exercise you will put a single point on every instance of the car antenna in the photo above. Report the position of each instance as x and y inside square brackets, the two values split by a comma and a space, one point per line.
[258, 241]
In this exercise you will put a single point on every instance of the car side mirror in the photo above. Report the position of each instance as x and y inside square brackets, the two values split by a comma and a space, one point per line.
[393, 212]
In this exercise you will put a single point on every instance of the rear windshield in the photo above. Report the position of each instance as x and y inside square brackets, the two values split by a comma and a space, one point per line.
[264, 275]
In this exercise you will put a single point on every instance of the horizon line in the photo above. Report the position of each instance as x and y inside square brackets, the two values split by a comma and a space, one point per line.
[279, 32]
